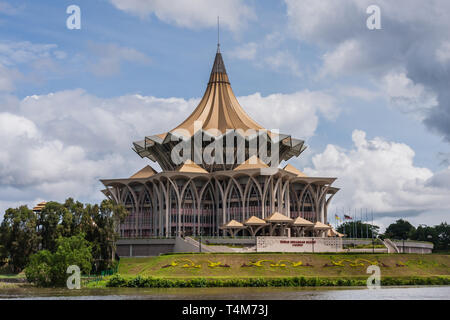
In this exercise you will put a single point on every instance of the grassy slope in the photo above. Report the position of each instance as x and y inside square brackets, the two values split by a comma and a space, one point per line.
[416, 265]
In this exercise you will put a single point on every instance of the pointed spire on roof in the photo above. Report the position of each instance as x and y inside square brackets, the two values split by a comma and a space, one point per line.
[218, 68]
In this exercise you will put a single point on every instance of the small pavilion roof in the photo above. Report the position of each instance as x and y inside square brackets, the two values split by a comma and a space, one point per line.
[40, 206]
[145, 172]
[278, 217]
[233, 224]
[334, 233]
[290, 168]
[321, 226]
[300, 222]
[254, 221]
[190, 166]
[252, 163]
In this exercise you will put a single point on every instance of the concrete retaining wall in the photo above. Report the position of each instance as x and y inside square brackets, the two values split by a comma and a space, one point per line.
[413, 247]
[144, 247]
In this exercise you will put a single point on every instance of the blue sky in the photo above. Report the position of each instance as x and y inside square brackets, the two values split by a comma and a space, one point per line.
[320, 74]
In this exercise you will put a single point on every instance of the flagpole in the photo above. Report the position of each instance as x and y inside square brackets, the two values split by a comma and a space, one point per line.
[360, 222]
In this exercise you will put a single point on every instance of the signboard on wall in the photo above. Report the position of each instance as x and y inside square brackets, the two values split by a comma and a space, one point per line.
[286, 244]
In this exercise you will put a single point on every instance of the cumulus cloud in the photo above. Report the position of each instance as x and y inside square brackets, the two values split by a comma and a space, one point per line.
[381, 175]
[286, 111]
[191, 14]
[33, 165]
[60, 144]
[409, 97]
[413, 38]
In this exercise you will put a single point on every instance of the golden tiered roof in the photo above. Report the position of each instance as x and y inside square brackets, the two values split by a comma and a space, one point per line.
[40, 206]
[219, 108]
[218, 112]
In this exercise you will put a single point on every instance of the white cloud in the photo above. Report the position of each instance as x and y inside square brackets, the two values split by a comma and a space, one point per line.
[358, 92]
[13, 53]
[346, 58]
[443, 52]
[414, 38]
[246, 51]
[35, 166]
[60, 144]
[286, 111]
[406, 95]
[110, 57]
[283, 61]
[381, 175]
[33, 60]
[7, 78]
[195, 14]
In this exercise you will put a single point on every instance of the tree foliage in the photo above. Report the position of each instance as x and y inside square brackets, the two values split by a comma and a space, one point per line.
[49, 269]
[358, 229]
[400, 230]
[18, 237]
[24, 232]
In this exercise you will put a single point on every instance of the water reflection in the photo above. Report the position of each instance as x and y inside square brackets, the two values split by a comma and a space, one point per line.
[353, 293]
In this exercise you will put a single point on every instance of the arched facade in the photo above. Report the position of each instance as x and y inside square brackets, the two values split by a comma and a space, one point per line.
[170, 204]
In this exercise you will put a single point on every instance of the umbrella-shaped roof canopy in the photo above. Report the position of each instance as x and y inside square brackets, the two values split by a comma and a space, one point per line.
[300, 222]
[321, 226]
[278, 218]
[233, 224]
[334, 233]
[254, 221]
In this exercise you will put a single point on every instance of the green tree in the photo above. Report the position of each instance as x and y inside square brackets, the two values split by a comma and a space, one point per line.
[102, 231]
[19, 237]
[401, 229]
[50, 227]
[49, 269]
[358, 229]
[443, 237]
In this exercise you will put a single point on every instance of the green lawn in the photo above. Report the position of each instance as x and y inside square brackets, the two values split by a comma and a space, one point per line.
[352, 265]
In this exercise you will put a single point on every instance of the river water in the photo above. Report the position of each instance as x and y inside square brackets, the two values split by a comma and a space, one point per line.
[344, 293]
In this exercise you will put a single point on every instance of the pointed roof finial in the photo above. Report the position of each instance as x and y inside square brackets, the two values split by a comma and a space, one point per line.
[218, 34]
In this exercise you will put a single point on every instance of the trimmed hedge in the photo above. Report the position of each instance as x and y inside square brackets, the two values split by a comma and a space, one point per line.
[151, 282]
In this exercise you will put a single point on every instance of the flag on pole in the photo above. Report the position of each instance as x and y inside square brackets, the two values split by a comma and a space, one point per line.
[347, 217]
[337, 217]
